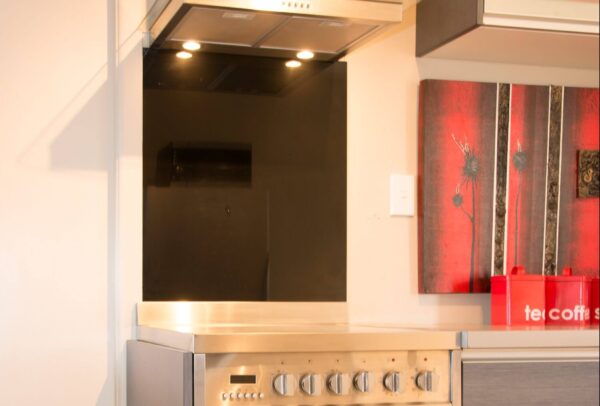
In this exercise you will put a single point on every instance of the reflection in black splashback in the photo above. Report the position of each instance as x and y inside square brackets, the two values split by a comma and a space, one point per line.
[225, 73]
[204, 163]
[244, 179]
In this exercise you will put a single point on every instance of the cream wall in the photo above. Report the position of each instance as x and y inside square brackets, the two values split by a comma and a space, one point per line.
[56, 148]
[69, 99]
[70, 191]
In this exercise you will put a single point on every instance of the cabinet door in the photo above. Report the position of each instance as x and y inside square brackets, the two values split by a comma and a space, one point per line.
[158, 376]
[529, 383]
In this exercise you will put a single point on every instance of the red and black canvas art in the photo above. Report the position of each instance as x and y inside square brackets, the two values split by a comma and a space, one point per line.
[506, 178]
[457, 149]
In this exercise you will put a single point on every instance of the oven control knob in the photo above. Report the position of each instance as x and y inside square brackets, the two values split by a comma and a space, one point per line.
[338, 383]
[393, 382]
[362, 381]
[311, 384]
[283, 384]
[427, 381]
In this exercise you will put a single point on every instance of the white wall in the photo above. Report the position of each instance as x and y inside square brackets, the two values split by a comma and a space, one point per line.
[56, 142]
[63, 102]
[70, 191]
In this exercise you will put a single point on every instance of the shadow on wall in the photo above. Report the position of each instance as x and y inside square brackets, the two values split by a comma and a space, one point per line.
[75, 138]
[84, 144]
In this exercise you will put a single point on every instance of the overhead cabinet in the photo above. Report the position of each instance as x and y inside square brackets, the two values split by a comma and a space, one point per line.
[533, 32]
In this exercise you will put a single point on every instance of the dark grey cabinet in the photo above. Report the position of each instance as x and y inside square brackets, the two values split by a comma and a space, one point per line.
[530, 383]
[542, 32]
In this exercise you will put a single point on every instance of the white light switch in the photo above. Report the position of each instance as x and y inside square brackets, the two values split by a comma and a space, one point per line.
[402, 195]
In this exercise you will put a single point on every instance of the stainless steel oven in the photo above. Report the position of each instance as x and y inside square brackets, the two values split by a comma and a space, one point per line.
[160, 375]
[172, 364]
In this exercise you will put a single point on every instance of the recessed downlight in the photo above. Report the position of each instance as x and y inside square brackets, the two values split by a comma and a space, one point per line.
[183, 55]
[191, 45]
[293, 63]
[305, 54]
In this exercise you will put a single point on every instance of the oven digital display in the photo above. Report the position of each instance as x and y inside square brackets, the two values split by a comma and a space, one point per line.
[242, 379]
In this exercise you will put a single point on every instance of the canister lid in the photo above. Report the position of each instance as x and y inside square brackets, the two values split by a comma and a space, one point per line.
[518, 274]
[567, 276]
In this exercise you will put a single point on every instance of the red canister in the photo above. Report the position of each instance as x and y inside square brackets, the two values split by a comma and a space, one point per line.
[595, 306]
[568, 299]
[518, 299]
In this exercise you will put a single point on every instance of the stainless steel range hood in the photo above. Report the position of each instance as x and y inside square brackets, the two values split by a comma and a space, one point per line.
[329, 28]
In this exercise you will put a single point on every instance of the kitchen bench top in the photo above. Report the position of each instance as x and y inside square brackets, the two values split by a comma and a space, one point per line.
[296, 338]
[520, 337]
[357, 337]
[474, 336]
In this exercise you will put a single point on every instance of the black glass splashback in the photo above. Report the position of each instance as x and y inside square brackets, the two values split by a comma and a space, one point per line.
[244, 179]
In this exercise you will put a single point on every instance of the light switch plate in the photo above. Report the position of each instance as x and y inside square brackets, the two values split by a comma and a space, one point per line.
[402, 195]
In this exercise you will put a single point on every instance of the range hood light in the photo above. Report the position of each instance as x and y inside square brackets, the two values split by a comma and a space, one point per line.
[333, 24]
[191, 45]
[183, 55]
[232, 15]
[293, 64]
[305, 54]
